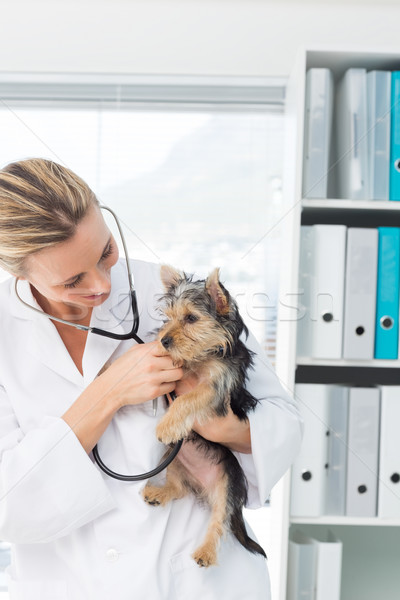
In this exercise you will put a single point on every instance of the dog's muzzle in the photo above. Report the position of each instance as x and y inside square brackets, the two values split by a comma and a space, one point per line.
[167, 341]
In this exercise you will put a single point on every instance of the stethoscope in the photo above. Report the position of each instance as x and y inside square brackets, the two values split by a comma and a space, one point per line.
[132, 335]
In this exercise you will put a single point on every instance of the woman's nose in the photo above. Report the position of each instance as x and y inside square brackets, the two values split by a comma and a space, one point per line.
[98, 281]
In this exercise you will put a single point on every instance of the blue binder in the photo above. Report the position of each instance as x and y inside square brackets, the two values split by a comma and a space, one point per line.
[387, 297]
[394, 189]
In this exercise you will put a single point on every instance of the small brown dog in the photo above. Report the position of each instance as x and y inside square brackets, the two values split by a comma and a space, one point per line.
[202, 334]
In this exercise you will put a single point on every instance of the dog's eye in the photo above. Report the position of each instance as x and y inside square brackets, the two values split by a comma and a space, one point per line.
[191, 318]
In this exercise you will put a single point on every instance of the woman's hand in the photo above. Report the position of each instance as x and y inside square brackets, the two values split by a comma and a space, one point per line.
[228, 430]
[144, 372]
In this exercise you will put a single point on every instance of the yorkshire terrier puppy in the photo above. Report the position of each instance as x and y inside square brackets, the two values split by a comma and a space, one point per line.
[201, 333]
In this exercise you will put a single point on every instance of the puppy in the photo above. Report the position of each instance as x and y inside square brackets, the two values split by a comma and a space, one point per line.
[201, 333]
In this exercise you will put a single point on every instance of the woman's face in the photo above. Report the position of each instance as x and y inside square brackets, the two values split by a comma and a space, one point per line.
[76, 273]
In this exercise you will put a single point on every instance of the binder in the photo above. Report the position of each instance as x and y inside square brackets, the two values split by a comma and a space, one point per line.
[314, 567]
[352, 140]
[317, 132]
[395, 138]
[360, 293]
[329, 552]
[301, 574]
[389, 455]
[309, 473]
[387, 300]
[379, 109]
[321, 283]
[363, 446]
[338, 409]
[304, 324]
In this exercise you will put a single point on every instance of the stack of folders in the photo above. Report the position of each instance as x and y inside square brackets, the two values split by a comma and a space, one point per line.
[349, 292]
[351, 135]
[349, 460]
[314, 567]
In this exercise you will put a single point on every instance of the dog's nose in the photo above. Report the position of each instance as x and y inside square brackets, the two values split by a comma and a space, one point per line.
[166, 341]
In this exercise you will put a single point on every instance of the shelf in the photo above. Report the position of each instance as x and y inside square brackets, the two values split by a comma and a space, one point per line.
[369, 372]
[348, 521]
[353, 213]
[320, 362]
[343, 204]
[339, 59]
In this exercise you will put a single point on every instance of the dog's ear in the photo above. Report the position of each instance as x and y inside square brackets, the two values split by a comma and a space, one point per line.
[217, 293]
[169, 276]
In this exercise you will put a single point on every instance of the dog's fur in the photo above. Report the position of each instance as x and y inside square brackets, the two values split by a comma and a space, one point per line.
[202, 334]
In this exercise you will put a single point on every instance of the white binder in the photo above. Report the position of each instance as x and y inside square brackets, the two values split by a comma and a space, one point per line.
[317, 132]
[335, 501]
[379, 110]
[389, 456]
[314, 567]
[301, 573]
[352, 140]
[360, 293]
[304, 324]
[363, 446]
[322, 273]
[328, 567]
[309, 473]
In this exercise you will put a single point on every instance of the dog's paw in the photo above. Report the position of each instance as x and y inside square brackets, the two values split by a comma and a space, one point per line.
[205, 556]
[155, 496]
[170, 433]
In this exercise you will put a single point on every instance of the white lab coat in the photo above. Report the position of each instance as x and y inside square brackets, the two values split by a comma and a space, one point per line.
[77, 534]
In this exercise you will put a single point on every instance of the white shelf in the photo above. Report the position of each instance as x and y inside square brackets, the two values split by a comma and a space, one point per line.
[343, 204]
[341, 362]
[332, 520]
[372, 551]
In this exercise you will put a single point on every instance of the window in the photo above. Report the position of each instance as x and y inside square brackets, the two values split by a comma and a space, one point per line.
[196, 182]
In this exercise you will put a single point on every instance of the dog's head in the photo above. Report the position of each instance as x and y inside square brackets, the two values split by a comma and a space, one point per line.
[202, 318]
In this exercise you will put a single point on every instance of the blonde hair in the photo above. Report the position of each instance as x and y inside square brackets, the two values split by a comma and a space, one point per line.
[41, 203]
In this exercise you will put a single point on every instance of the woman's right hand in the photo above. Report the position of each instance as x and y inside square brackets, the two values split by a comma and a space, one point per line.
[144, 372]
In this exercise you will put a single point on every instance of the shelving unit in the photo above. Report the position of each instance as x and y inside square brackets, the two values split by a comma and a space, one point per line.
[371, 546]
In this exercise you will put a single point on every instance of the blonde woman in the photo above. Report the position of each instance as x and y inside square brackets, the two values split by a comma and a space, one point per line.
[75, 532]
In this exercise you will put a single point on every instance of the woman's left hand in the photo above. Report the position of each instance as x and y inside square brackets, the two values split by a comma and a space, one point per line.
[228, 430]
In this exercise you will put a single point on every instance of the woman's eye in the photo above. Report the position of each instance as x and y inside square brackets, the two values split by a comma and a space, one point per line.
[191, 318]
[74, 283]
[108, 252]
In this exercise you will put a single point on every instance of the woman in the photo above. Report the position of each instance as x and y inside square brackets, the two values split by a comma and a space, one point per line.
[75, 532]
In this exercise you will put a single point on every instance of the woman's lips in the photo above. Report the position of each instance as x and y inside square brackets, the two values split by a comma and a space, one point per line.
[98, 296]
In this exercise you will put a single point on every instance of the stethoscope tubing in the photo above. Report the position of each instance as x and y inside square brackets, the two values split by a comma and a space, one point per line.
[141, 476]
[115, 336]
[163, 465]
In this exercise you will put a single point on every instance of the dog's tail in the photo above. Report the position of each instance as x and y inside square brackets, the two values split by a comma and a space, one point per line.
[237, 500]
[238, 528]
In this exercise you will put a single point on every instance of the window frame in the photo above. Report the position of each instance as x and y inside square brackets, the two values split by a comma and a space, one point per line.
[116, 91]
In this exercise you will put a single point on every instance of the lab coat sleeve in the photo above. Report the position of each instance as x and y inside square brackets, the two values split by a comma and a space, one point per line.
[276, 429]
[48, 484]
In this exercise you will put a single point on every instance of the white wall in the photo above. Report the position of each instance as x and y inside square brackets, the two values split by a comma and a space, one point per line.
[200, 37]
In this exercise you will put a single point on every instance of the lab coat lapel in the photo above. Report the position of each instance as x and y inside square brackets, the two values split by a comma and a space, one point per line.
[113, 315]
[42, 339]
[47, 347]
[45, 344]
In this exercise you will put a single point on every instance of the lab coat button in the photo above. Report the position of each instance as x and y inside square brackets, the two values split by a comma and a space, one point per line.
[112, 555]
